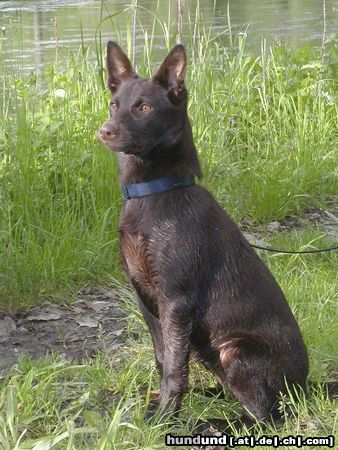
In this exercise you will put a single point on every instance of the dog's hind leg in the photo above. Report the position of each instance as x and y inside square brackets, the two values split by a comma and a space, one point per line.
[256, 378]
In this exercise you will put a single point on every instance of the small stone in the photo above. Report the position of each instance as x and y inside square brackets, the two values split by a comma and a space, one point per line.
[44, 316]
[99, 306]
[87, 322]
[246, 221]
[7, 325]
[254, 240]
[314, 216]
[274, 226]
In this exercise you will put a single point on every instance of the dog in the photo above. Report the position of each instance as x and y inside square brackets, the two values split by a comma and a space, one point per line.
[203, 291]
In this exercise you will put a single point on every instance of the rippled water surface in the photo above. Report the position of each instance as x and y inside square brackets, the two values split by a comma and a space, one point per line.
[30, 31]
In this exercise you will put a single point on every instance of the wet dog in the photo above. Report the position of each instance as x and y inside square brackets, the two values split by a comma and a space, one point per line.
[202, 289]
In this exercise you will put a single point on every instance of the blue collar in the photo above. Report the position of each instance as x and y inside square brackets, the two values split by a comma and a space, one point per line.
[137, 190]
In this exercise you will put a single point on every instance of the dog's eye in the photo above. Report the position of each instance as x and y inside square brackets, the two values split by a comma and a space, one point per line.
[145, 108]
[114, 106]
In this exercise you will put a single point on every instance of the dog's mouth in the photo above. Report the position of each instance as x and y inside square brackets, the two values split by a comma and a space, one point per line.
[116, 143]
[108, 139]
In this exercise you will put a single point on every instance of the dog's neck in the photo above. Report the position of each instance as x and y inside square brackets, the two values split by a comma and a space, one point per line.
[178, 160]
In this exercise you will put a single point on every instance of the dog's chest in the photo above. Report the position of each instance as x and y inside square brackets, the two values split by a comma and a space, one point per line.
[137, 259]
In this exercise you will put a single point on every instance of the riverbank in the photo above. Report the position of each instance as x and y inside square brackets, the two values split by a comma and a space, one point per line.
[265, 128]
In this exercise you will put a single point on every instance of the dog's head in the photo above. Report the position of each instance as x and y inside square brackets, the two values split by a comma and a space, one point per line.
[145, 115]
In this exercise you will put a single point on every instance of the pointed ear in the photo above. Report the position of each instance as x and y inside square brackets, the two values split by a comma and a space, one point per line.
[172, 72]
[118, 66]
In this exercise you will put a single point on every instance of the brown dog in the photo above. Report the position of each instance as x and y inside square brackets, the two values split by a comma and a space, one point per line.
[202, 288]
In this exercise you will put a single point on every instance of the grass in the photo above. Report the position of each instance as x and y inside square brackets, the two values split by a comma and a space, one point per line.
[97, 403]
[265, 127]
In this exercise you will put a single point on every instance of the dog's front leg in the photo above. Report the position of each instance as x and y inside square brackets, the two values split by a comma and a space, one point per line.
[176, 322]
[156, 333]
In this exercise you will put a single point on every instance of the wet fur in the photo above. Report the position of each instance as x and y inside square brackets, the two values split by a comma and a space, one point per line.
[202, 288]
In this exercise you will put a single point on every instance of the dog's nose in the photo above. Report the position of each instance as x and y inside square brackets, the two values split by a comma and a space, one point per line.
[105, 133]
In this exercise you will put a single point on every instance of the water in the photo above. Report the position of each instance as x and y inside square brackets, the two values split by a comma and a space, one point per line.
[31, 31]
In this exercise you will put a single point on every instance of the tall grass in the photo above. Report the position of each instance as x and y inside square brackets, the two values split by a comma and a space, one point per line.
[264, 126]
[60, 195]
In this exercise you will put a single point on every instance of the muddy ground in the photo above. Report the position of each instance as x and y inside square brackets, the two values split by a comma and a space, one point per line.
[324, 221]
[95, 321]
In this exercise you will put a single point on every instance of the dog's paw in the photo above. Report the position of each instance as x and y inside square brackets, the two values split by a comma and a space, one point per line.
[160, 413]
[152, 410]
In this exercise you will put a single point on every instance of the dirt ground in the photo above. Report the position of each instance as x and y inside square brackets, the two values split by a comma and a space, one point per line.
[94, 322]
[325, 221]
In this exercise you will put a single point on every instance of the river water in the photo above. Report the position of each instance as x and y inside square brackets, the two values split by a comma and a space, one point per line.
[31, 31]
